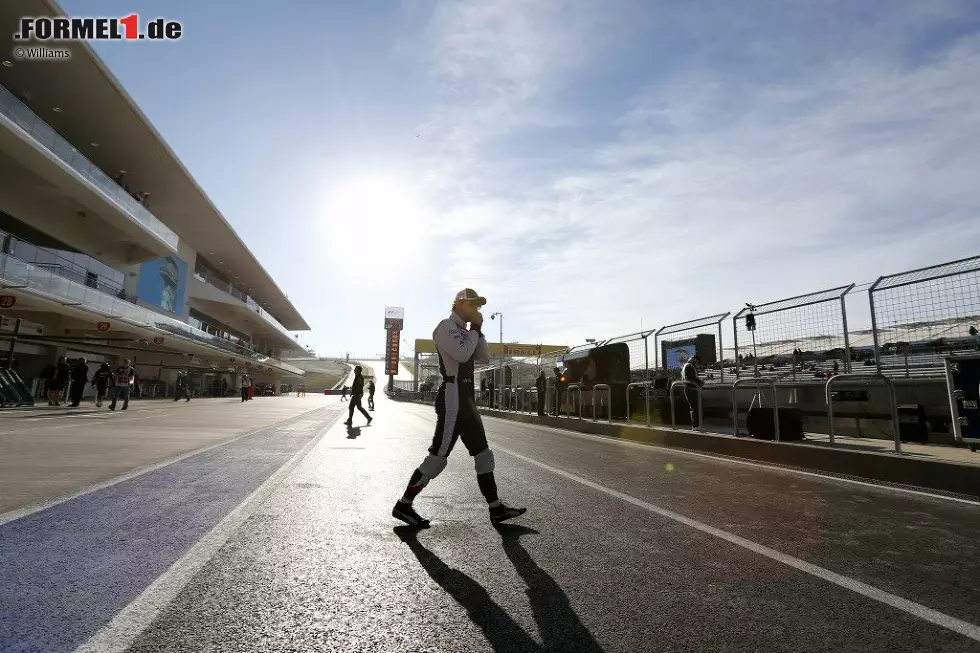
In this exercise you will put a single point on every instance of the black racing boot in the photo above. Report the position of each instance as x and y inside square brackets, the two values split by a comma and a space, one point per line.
[406, 513]
[503, 513]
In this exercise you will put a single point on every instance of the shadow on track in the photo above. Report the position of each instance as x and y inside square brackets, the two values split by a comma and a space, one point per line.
[560, 627]
[353, 432]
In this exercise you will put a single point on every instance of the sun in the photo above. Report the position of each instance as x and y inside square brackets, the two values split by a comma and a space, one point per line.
[380, 216]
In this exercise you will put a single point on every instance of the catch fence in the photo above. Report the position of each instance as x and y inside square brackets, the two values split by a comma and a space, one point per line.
[917, 317]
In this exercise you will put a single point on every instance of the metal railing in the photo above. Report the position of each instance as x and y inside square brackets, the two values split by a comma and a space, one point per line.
[646, 395]
[568, 391]
[17, 274]
[865, 379]
[758, 383]
[46, 137]
[600, 387]
[673, 416]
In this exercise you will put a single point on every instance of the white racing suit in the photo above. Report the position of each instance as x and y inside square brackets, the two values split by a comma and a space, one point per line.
[457, 415]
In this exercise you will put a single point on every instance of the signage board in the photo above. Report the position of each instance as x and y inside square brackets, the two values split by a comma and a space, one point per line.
[394, 318]
[391, 351]
[26, 326]
[517, 350]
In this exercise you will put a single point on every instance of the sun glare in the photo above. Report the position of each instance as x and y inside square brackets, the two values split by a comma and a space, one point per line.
[380, 214]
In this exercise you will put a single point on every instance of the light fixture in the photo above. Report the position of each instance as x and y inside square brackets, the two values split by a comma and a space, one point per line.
[56, 109]
[94, 144]
[7, 64]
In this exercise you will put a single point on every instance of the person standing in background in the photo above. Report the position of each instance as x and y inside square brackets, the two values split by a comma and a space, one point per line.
[59, 380]
[79, 377]
[541, 385]
[245, 385]
[371, 394]
[690, 374]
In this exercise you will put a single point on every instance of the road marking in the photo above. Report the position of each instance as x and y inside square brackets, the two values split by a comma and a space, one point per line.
[120, 633]
[734, 461]
[910, 607]
[19, 513]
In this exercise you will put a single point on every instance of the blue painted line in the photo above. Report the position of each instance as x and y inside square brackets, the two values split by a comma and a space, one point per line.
[66, 571]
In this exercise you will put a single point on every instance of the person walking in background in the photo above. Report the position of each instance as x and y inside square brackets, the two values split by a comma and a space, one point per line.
[102, 381]
[79, 377]
[356, 392]
[245, 385]
[125, 377]
[182, 389]
[343, 393]
[541, 385]
[371, 394]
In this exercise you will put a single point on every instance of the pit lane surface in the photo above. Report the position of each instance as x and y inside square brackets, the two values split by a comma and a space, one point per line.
[624, 548]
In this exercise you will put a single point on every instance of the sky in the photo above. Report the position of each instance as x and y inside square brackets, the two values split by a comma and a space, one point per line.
[590, 166]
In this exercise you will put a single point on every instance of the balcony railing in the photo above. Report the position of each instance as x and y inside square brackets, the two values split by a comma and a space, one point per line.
[43, 134]
[203, 275]
[15, 273]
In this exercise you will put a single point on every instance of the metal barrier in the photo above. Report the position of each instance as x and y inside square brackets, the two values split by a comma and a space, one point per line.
[537, 398]
[673, 419]
[758, 384]
[864, 378]
[646, 395]
[595, 413]
[568, 391]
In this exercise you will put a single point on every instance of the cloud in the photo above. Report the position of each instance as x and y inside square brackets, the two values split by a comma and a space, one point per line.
[715, 188]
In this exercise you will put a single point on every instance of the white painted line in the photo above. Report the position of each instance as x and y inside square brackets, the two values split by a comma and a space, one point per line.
[737, 461]
[120, 633]
[910, 607]
[139, 471]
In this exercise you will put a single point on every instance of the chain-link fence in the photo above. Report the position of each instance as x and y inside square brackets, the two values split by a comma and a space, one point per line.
[921, 315]
[796, 338]
[642, 359]
[674, 344]
[917, 317]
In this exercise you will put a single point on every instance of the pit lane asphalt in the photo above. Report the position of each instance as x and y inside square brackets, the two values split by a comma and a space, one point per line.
[319, 564]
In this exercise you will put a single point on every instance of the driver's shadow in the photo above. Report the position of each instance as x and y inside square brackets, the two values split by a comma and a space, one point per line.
[560, 627]
[353, 432]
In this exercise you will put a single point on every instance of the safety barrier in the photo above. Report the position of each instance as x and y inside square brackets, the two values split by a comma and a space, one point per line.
[531, 405]
[595, 413]
[568, 391]
[646, 396]
[673, 418]
[866, 379]
[758, 384]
